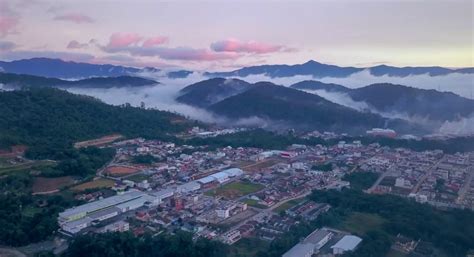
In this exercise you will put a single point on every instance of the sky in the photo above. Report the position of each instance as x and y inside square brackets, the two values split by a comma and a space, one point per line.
[225, 34]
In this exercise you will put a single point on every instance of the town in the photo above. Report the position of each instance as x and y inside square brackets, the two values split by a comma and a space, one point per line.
[230, 193]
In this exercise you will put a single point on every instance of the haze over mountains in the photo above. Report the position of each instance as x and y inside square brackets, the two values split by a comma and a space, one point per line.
[399, 99]
[12, 80]
[427, 108]
[323, 106]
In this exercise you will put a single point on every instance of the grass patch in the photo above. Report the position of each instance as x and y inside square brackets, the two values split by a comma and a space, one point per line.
[287, 205]
[254, 203]
[235, 189]
[30, 211]
[247, 247]
[138, 178]
[26, 166]
[99, 183]
[360, 223]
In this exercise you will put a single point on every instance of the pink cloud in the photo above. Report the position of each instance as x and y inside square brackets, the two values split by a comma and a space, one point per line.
[76, 45]
[8, 25]
[153, 41]
[118, 40]
[237, 46]
[74, 17]
[191, 54]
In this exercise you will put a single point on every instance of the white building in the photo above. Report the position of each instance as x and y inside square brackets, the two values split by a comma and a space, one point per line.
[300, 250]
[119, 226]
[311, 244]
[231, 237]
[347, 243]
[188, 187]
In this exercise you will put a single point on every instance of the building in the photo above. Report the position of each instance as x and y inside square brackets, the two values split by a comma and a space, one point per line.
[318, 238]
[347, 243]
[119, 226]
[75, 219]
[231, 237]
[382, 132]
[300, 250]
[81, 211]
[188, 187]
[311, 244]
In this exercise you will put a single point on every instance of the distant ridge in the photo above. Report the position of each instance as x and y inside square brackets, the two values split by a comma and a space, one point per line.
[12, 80]
[320, 70]
[57, 68]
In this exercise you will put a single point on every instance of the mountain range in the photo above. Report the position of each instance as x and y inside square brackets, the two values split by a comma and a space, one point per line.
[321, 70]
[12, 80]
[56, 68]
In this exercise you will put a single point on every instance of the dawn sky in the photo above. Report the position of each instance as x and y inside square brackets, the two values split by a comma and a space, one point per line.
[223, 35]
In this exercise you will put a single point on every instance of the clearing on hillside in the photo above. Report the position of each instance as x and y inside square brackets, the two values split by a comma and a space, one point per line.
[99, 183]
[43, 185]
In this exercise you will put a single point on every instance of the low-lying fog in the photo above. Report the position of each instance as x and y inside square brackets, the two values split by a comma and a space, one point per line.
[163, 95]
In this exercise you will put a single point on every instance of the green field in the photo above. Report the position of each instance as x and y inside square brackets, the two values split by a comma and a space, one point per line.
[254, 203]
[138, 178]
[289, 204]
[4, 169]
[247, 247]
[360, 223]
[235, 189]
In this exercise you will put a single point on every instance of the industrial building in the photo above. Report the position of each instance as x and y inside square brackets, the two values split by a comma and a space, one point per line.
[347, 243]
[81, 211]
[222, 176]
[75, 219]
[311, 244]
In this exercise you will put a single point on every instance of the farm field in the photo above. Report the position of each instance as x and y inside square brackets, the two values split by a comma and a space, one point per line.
[50, 185]
[99, 183]
[235, 189]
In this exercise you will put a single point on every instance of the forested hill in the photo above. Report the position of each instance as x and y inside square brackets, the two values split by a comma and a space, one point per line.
[49, 119]
[11, 80]
[300, 110]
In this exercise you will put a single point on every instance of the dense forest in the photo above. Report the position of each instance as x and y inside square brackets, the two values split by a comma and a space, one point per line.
[80, 162]
[452, 231]
[127, 245]
[25, 218]
[291, 108]
[49, 121]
